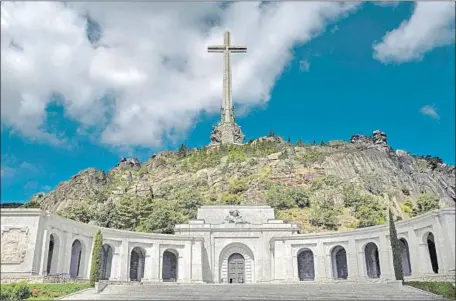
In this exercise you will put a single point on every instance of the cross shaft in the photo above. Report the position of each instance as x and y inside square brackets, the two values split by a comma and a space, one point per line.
[227, 49]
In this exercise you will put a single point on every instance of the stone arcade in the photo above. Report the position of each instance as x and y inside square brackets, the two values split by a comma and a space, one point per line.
[225, 244]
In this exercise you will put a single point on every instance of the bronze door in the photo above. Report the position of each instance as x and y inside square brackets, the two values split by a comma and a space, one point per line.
[236, 268]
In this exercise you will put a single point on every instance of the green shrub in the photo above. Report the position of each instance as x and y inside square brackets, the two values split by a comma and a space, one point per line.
[32, 204]
[164, 217]
[236, 154]
[311, 156]
[407, 208]
[96, 258]
[445, 289]
[426, 202]
[370, 213]
[278, 198]
[231, 199]
[15, 291]
[325, 214]
[236, 186]
[299, 196]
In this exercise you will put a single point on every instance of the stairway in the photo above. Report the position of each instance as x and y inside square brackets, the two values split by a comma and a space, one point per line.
[301, 291]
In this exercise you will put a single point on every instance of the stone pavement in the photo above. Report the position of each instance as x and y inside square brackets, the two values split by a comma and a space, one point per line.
[301, 291]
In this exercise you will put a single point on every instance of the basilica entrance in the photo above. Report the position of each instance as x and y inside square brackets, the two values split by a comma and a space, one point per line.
[236, 268]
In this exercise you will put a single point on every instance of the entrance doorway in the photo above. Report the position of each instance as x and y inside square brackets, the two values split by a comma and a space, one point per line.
[236, 268]
[169, 272]
[137, 261]
[306, 269]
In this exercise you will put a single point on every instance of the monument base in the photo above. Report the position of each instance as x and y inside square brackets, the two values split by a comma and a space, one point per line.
[227, 133]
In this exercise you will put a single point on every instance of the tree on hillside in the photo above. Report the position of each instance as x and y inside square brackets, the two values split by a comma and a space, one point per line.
[131, 210]
[397, 263]
[163, 219]
[183, 151]
[271, 134]
[299, 142]
[96, 258]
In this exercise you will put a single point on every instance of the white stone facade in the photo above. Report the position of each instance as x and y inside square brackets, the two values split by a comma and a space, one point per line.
[225, 244]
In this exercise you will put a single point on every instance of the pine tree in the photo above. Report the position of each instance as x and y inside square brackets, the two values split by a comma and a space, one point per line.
[96, 258]
[131, 210]
[397, 262]
[299, 142]
[271, 134]
[322, 143]
[182, 152]
[314, 142]
[289, 140]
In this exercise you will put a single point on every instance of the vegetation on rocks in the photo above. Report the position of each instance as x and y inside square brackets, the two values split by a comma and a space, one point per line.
[319, 187]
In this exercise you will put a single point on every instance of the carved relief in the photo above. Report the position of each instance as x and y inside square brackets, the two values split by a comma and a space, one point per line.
[14, 244]
[235, 218]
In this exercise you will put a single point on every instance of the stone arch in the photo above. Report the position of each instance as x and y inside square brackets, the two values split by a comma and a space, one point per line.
[78, 251]
[339, 263]
[249, 259]
[405, 257]
[306, 265]
[53, 254]
[432, 251]
[372, 260]
[137, 263]
[170, 263]
[106, 261]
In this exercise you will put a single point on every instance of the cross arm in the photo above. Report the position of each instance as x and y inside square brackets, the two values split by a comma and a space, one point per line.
[216, 48]
[237, 49]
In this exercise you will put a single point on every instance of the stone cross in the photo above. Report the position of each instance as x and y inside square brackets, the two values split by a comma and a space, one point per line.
[227, 49]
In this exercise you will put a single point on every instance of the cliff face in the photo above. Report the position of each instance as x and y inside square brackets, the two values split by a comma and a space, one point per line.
[247, 174]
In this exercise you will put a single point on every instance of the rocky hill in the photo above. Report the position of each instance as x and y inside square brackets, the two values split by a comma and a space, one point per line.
[331, 186]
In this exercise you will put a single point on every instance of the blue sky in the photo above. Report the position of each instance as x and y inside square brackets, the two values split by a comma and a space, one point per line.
[332, 85]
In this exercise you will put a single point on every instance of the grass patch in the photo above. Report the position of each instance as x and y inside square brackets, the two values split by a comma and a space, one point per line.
[39, 291]
[445, 289]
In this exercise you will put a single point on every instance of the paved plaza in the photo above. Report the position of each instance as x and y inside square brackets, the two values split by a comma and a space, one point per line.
[301, 291]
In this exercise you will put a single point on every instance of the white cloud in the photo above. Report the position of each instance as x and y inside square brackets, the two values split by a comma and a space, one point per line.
[304, 66]
[152, 57]
[387, 3]
[430, 111]
[431, 25]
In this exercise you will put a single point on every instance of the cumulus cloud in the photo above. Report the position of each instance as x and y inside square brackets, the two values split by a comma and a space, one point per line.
[431, 25]
[144, 73]
[430, 111]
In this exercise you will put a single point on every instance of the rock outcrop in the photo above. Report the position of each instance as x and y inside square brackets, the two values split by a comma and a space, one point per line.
[368, 162]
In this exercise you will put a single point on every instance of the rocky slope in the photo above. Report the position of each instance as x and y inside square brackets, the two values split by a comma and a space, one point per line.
[262, 171]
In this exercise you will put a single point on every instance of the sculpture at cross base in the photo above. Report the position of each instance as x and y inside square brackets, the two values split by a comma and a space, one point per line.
[227, 131]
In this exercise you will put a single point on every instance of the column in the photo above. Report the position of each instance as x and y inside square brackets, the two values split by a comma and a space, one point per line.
[352, 260]
[361, 264]
[414, 251]
[385, 262]
[197, 261]
[116, 264]
[320, 263]
[443, 248]
[182, 266]
[148, 263]
[44, 253]
[124, 261]
[65, 256]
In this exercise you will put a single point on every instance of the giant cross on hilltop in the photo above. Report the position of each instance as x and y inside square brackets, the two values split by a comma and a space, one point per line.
[227, 131]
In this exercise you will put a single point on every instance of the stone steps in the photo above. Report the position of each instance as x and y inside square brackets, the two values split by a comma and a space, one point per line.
[347, 291]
